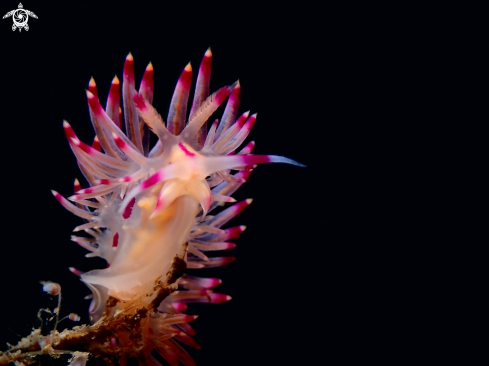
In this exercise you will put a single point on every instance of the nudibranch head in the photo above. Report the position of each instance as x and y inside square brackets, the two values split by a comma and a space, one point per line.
[147, 204]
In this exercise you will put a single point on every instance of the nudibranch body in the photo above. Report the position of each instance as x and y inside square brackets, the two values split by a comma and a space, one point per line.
[144, 206]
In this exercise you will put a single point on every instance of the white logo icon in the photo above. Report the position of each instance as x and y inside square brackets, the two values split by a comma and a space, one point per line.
[20, 17]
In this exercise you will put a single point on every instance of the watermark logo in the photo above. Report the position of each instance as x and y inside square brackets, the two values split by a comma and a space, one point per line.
[20, 17]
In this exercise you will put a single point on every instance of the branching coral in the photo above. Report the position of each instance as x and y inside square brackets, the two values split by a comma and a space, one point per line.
[147, 213]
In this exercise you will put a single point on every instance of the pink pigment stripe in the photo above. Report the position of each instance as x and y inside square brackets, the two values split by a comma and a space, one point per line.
[114, 91]
[68, 131]
[208, 282]
[147, 83]
[119, 142]
[238, 207]
[72, 208]
[139, 101]
[91, 192]
[231, 132]
[113, 102]
[235, 95]
[129, 69]
[128, 150]
[226, 215]
[94, 104]
[130, 114]
[250, 122]
[222, 94]
[75, 271]
[199, 119]
[180, 306]
[203, 79]
[159, 203]
[222, 261]
[103, 124]
[185, 78]
[255, 159]
[260, 159]
[241, 120]
[115, 240]
[96, 144]
[178, 105]
[185, 150]
[107, 182]
[128, 210]
[155, 178]
[84, 147]
[219, 298]
[248, 148]
[233, 232]
[245, 174]
[229, 115]
[76, 186]
[58, 197]
[189, 318]
[205, 66]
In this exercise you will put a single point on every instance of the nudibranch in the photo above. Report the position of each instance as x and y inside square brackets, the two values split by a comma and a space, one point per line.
[145, 205]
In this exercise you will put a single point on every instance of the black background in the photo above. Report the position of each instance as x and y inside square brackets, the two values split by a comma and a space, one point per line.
[356, 258]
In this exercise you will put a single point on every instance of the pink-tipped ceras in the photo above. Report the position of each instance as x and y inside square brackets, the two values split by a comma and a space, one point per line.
[146, 205]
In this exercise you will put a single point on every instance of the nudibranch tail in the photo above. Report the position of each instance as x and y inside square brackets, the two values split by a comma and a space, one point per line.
[144, 205]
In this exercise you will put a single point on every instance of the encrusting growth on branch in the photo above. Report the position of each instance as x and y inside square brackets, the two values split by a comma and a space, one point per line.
[127, 324]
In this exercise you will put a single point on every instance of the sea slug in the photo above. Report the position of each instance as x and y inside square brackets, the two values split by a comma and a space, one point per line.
[152, 212]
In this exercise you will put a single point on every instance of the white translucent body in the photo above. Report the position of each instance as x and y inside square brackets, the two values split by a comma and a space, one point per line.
[148, 241]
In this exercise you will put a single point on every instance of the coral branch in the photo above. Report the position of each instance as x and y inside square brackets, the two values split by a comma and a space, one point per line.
[126, 326]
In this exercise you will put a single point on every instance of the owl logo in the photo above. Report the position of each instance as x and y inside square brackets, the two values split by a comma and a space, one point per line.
[20, 17]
